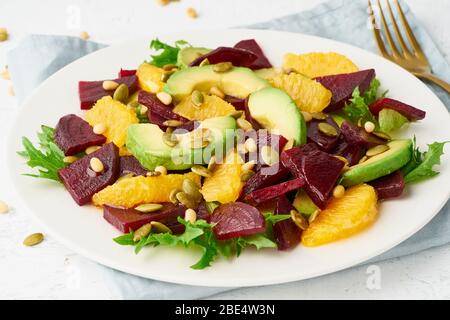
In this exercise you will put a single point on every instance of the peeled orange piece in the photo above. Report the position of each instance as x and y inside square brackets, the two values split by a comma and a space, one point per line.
[212, 106]
[149, 77]
[343, 217]
[309, 95]
[115, 116]
[133, 191]
[225, 183]
[317, 64]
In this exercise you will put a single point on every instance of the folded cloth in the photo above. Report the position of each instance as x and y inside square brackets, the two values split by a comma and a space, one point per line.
[37, 57]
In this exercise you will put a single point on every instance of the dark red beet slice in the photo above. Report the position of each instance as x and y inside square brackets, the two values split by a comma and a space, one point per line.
[358, 136]
[262, 195]
[156, 107]
[263, 138]
[325, 142]
[82, 183]
[126, 73]
[286, 232]
[238, 57]
[126, 219]
[237, 219]
[265, 178]
[252, 46]
[319, 170]
[73, 135]
[390, 186]
[406, 110]
[353, 153]
[129, 164]
[91, 91]
[238, 104]
[343, 85]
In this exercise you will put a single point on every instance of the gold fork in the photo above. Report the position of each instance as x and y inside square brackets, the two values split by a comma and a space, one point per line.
[413, 60]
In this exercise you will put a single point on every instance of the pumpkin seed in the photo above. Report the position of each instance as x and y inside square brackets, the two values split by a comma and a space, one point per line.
[153, 174]
[109, 85]
[250, 145]
[164, 97]
[248, 165]
[377, 150]
[33, 239]
[313, 216]
[121, 93]
[197, 98]
[217, 92]
[382, 135]
[91, 149]
[70, 159]
[172, 123]
[201, 171]
[204, 62]
[244, 124]
[212, 163]
[269, 156]
[319, 116]
[237, 114]
[133, 104]
[149, 207]
[186, 200]
[327, 129]
[169, 67]
[199, 143]
[160, 227]
[143, 110]
[3, 207]
[173, 196]
[190, 188]
[338, 191]
[299, 220]
[307, 116]
[289, 144]
[246, 175]
[142, 232]
[169, 139]
[166, 75]
[223, 67]
[190, 215]
[363, 159]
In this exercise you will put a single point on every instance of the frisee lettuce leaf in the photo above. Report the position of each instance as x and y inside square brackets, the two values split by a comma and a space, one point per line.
[357, 111]
[424, 163]
[391, 120]
[168, 54]
[47, 157]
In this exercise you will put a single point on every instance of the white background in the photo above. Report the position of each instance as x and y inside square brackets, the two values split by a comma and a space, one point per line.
[51, 271]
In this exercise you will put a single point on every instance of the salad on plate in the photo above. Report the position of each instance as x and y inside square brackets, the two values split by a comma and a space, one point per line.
[220, 150]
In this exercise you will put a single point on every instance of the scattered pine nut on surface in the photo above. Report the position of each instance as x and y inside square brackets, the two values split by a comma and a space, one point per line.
[191, 12]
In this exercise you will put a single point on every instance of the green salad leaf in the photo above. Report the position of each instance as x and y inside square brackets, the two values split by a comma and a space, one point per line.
[168, 54]
[47, 157]
[357, 111]
[421, 166]
[391, 120]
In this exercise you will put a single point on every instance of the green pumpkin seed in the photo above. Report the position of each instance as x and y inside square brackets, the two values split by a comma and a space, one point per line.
[33, 239]
[186, 200]
[121, 93]
[172, 123]
[169, 67]
[166, 75]
[223, 67]
[153, 173]
[319, 116]
[197, 98]
[133, 104]
[190, 188]
[363, 159]
[159, 227]
[142, 232]
[382, 135]
[246, 175]
[299, 220]
[169, 139]
[244, 124]
[149, 207]
[313, 216]
[237, 114]
[201, 171]
[377, 150]
[173, 196]
[204, 62]
[212, 163]
[327, 129]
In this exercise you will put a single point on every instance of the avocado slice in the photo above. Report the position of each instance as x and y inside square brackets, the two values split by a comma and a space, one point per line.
[399, 154]
[145, 142]
[275, 110]
[303, 203]
[188, 54]
[238, 82]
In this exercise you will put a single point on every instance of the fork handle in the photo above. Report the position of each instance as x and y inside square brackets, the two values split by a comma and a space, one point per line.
[434, 79]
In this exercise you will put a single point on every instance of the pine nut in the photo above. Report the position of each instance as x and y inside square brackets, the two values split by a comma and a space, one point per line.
[3, 207]
[307, 116]
[190, 215]
[96, 165]
[84, 35]
[216, 92]
[269, 156]
[99, 128]
[109, 85]
[164, 2]
[250, 145]
[143, 110]
[5, 74]
[191, 12]
[91, 149]
[161, 169]
[248, 166]
[369, 126]
[11, 91]
[241, 148]
[164, 97]
[338, 191]
[70, 159]
[3, 34]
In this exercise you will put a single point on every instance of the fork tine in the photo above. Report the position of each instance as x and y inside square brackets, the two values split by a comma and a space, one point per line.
[377, 33]
[412, 39]
[397, 31]
[387, 32]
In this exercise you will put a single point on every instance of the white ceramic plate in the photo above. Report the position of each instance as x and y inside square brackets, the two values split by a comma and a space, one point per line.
[84, 230]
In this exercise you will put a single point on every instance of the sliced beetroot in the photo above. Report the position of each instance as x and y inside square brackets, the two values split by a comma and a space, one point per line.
[73, 135]
[263, 138]
[126, 219]
[343, 85]
[129, 164]
[265, 178]
[126, 73]
[252, 46]
[319, 170]
[325, 142]
[390, 186]
[238, 57]
[353, 153]
[286, 232]
[358, 136]
[91, 91]
[238, 103]
[82, 183]
[262, 195]
[157, 108]
[410, 112]
[237, 219]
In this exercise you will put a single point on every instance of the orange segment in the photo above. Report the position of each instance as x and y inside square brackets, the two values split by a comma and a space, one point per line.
[212, 106]
[317, 64]
[133, 191]
[115, 116]
[343, 217]
[149, 77]
[309, 95]
[225, 183]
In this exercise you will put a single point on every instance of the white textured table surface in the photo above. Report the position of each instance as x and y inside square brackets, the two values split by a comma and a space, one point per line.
[51, 271]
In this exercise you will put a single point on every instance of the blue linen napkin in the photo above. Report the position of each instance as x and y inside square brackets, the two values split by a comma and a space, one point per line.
[37, 57]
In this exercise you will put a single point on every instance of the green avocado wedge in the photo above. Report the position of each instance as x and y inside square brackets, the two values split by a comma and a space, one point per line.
[145, 142]
[238, 82]
[275, 110]
[188, 54]
[398, 155]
